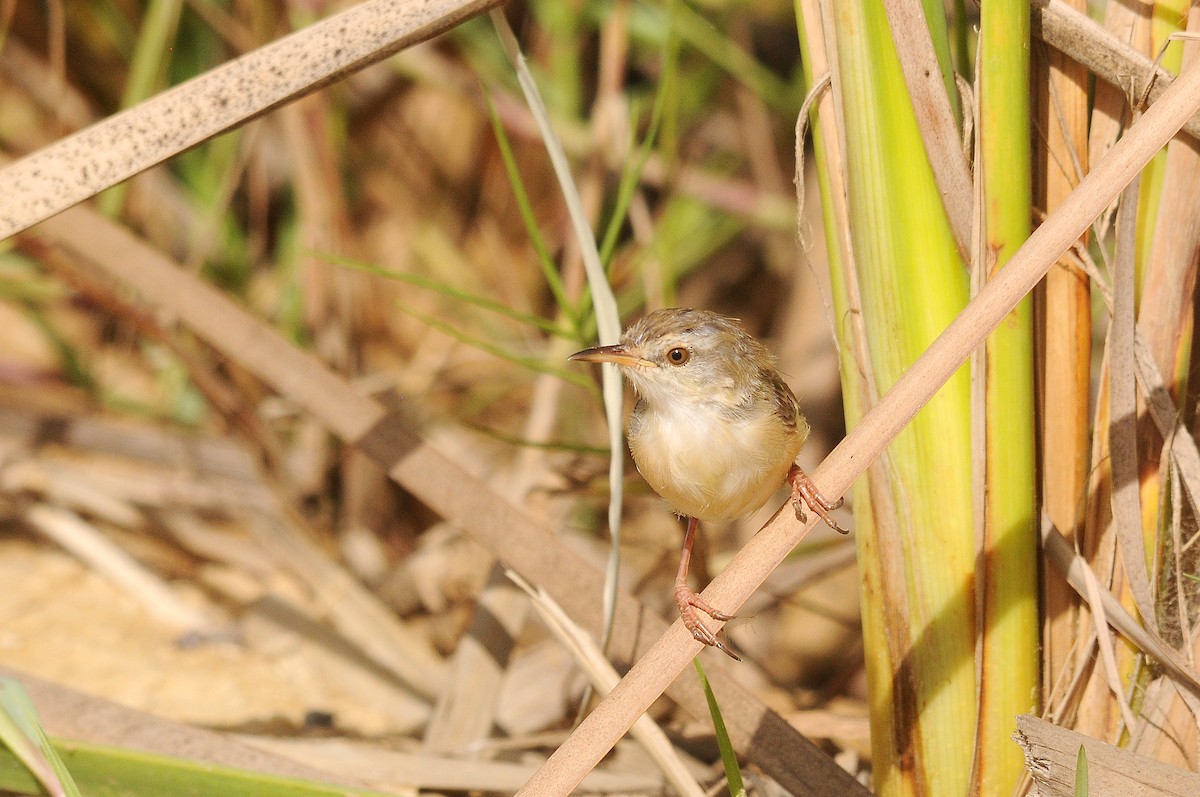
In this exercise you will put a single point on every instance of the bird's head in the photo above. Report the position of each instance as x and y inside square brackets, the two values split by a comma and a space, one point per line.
[679, 355]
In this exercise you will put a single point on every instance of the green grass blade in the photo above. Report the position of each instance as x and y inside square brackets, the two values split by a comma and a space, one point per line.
[1081, 773]
[450, 292]
[515, 440]
[549, 269]
[962, 40]
[22, 734]
[605, 303]
[562, 53]
[104, 771]
[733, 772]
[530, 363]
[72, 362]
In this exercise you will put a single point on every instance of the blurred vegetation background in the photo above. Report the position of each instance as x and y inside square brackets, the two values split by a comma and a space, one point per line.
[183, 539]
[404, 226]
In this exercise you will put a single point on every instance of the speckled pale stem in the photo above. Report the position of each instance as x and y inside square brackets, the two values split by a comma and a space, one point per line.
[77, 167]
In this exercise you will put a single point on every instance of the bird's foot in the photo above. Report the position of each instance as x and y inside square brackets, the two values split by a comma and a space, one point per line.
[804, 491]
[690, 604]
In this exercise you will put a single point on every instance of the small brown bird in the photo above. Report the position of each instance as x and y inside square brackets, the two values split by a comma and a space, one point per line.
[715, 430]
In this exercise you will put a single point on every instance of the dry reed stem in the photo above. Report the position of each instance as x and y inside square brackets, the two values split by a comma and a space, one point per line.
[81, 165]
[1184, 453]
[1108, 659]
[1112, 60]
[1051, 754]
[667, 658]
[1064, 315]
[1122, 426]
[1151, 384]
[603, 676]
[1168, 280]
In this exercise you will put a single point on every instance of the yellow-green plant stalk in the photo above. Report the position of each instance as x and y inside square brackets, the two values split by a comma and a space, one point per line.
[857, 384]
[1008, 565]
[918, 607]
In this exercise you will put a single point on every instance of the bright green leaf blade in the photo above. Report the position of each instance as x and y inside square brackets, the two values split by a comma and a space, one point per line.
[27, 746]
[1081, 773]
[1008, 662]
[113, 772]
[919, 556]
[733, 773]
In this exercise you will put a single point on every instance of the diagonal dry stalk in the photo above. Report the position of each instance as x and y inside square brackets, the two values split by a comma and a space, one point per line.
[749, 569]
[84, 164]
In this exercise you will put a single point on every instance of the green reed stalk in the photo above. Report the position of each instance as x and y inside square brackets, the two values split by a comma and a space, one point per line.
[1008, 562]
[918, 603]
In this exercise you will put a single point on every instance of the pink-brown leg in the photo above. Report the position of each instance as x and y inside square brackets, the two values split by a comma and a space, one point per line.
[689, 602]
[804, 491]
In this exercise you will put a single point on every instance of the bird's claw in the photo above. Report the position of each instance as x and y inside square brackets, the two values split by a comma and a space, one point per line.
[805, 492]
[689, 605]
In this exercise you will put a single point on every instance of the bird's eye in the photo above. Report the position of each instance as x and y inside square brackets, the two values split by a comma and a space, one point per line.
[678, 356]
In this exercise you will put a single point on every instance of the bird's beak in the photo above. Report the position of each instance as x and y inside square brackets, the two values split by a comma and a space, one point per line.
[612, 354]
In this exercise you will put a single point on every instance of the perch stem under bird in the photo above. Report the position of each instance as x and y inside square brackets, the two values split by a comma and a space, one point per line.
[715, 430]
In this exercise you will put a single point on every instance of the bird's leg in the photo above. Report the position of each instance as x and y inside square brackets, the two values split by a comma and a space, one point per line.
[804, 491]
[689, 602]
